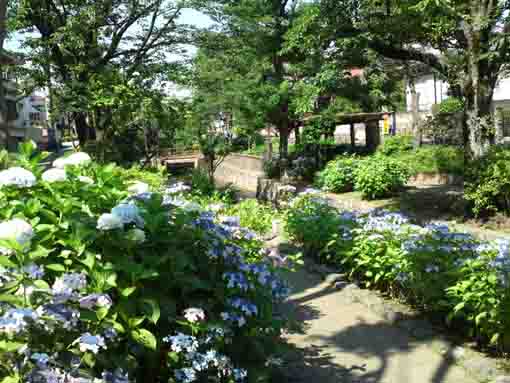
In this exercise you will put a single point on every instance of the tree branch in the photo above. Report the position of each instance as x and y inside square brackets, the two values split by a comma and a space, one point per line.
[407, 54]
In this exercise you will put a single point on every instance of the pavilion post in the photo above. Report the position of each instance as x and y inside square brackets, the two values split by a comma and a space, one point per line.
[353, 135]
[372, 135]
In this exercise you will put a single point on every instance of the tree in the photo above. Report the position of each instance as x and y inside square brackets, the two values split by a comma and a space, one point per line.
[261, 25]
[465, 41]
[82, 41]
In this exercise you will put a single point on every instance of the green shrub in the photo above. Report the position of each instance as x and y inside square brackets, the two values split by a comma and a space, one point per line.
[379, 176]
[434, 159]
[338, 175]
[396, 144]
[201, 183]
[451, 105]
[487, 182]
[311, 222]
[253, 215]
[156, 178]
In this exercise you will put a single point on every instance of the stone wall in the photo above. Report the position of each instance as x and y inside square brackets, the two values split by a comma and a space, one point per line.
[241, 170]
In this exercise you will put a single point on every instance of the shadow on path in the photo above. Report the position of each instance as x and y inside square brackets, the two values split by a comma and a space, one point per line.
[336, 339]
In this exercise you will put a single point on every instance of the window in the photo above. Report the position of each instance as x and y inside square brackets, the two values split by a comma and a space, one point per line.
[505, 117]
[35, 116]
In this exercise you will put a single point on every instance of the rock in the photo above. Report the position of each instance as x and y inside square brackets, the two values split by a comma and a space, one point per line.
[276, 226]
[333, 278]
[393, 316]
[340, 285]
[458, 353]
[502, 379]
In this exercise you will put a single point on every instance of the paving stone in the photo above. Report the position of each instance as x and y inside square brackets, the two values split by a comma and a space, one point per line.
[484, 368]
[502, 379]
[333, 278]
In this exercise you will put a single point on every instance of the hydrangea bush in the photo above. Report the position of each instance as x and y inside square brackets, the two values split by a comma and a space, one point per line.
[103, 280]
[450, 273]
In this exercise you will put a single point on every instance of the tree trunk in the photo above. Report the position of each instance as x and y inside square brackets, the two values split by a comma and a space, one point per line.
[284, 140]
[3, 102]
[84, 131]
[297, 135]
[352, 132]
[479, 129]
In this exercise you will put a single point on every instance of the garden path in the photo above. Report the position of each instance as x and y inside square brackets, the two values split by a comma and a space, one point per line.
[337, 338]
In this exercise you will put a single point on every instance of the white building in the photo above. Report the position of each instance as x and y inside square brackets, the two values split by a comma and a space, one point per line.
[27, 118]
[431, 90]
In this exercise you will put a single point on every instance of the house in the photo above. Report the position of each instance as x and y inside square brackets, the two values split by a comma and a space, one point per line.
[27, 118]
[431, 90]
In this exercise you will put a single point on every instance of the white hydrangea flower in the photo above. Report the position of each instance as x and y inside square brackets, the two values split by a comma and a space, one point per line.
[76, 159]
[109, 222]
[128, 213]
[16, 229]
[139, 188]
[54, 175]
[194, 315]
[85, 180]
[136, 235]
[18, 177]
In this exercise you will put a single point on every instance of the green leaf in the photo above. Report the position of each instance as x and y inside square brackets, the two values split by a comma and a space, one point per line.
[495, 338]
[6, 262]
[40, 284]
[127, 291]
[89, 261]
[11, 379]
[56, 267]
[151, 308]
[40, 252]
[459, 307]
[10, 346]
[145, 338]
[102, 312]
[135, 321]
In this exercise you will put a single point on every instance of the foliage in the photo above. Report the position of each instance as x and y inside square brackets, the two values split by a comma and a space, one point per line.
[97, 280]
[156, 178]
[452, 274]
[5, 159]
[253, 215]
[201, 183]
[272, 168]
[311, 222]
[433, 159]
[338, 175]
[451, 105]
[396, 145]
[379, 176]
[487, 182]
